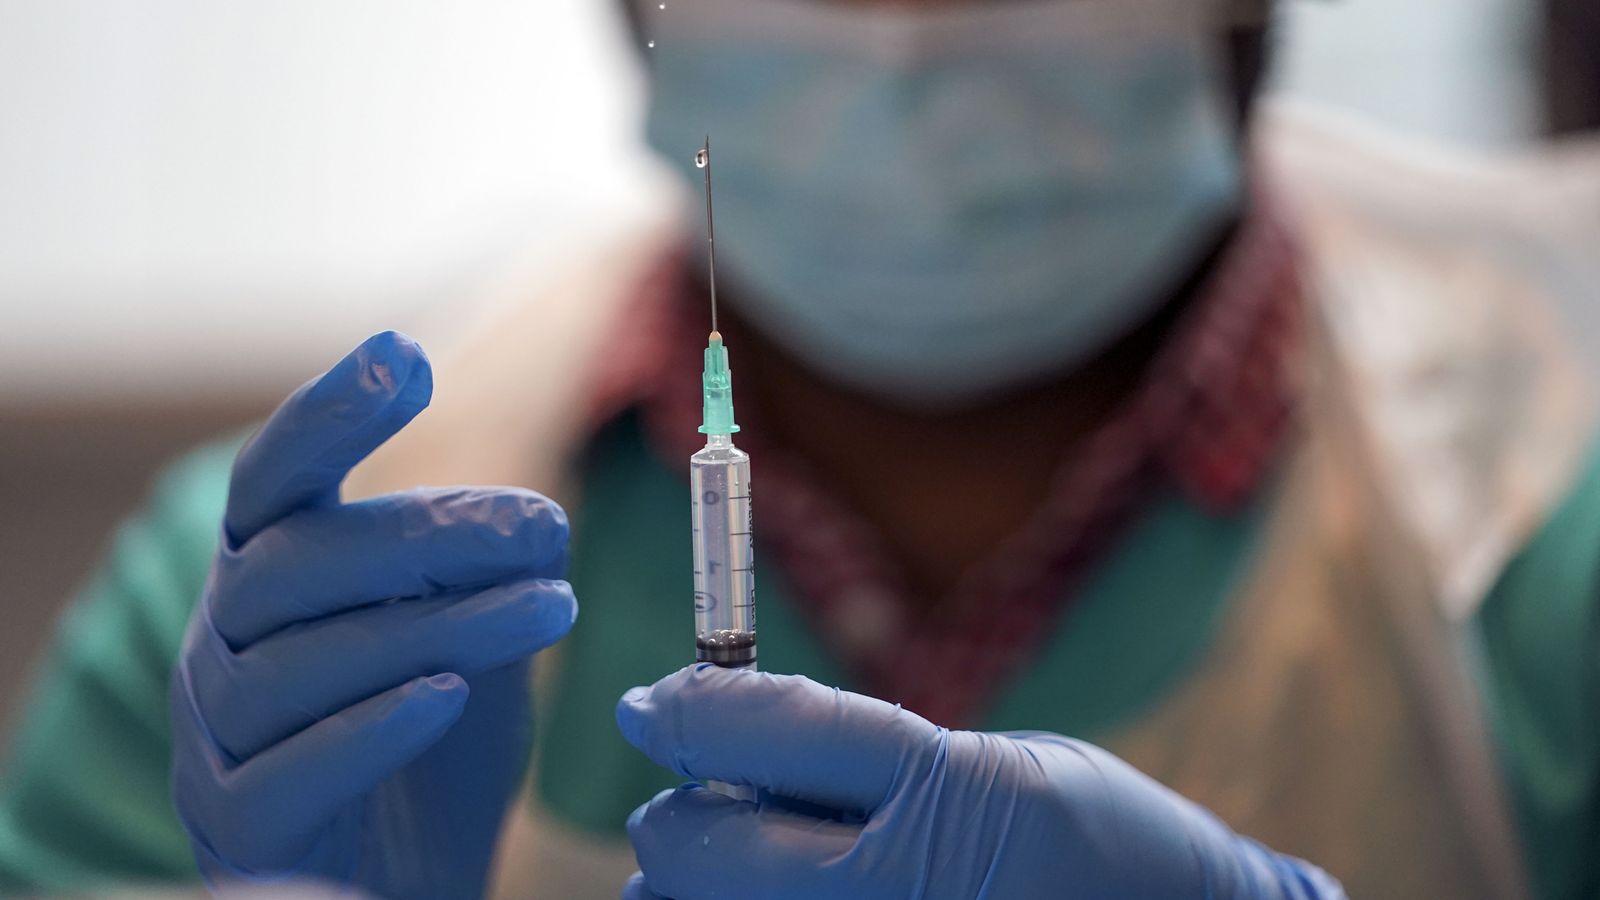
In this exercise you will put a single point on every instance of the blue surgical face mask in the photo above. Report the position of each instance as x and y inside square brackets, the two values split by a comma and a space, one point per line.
[936, 206]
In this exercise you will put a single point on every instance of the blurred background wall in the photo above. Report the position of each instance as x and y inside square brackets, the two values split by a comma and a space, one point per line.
[203, 202]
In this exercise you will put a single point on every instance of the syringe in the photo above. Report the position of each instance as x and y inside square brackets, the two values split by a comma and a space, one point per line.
[719, 478]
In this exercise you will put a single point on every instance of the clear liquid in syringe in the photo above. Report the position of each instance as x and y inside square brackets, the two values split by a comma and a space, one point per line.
[724, 560]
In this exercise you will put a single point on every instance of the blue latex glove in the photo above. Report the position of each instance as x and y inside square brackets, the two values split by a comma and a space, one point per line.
[864, 800]
[351, 703]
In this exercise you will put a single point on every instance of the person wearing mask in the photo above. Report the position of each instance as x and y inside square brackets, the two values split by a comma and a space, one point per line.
[1184, 504]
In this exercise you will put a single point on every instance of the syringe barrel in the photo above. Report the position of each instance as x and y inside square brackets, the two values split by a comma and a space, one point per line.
[724, 561]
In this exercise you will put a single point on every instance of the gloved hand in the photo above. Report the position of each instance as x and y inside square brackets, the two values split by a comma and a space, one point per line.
[861, 799]
[351, 702]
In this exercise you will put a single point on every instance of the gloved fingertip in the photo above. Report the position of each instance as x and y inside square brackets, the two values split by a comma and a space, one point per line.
[397, 341]
[447, 695]
[630, 716]
[636, 889]
[554, 613]
[636, 818]
[390, 358]
[635, 824]
[448, 683]
[378, 364]
[384, 382]
[421, 705]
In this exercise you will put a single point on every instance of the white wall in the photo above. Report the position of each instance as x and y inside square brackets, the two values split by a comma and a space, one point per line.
[198, 195]
[238, 189]
[1456, 70]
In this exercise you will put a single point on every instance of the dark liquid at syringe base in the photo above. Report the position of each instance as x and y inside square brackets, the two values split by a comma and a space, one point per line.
[726, 648]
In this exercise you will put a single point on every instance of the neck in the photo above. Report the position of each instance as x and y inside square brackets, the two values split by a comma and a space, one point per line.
[914, 475]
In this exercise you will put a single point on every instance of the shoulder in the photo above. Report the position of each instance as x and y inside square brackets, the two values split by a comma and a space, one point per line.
[184, 509]
[156, 564]
[1539, 634]
[1453, 294]
[1548, 598]
[189, 495]
[1478, 230]
[1331, 163]
[84, 797]
[1404, 221]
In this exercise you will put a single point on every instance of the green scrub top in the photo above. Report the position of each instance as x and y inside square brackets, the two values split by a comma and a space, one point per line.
[84, 797]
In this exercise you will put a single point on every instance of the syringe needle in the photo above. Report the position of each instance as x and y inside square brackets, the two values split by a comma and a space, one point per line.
[703, 160]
